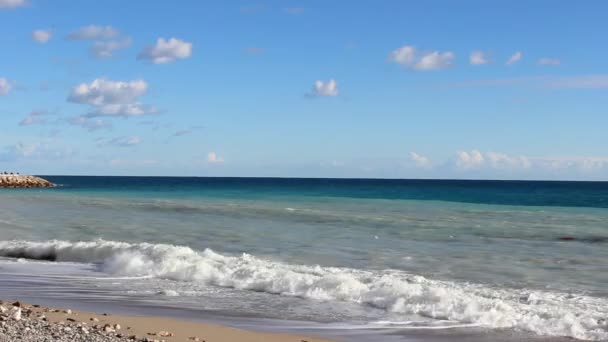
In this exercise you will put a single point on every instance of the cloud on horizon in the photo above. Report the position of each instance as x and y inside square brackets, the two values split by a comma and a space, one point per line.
[34, 151]
[475, 162]
[420, 160]
[213, 158]
[478, 164]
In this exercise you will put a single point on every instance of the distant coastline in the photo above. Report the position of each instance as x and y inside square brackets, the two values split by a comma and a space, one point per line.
[14, 180]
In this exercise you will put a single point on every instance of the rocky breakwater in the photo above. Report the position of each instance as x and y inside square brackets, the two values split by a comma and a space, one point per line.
[23, 181]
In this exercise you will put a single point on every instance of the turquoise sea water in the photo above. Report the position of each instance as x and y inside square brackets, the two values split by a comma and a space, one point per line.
[526, 257]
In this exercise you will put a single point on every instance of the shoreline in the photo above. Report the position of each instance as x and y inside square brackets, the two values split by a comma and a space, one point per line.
[43, 323]
[31, 322]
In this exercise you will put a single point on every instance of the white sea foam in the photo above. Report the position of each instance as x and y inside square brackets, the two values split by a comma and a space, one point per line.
[169, 293]
[541, 312]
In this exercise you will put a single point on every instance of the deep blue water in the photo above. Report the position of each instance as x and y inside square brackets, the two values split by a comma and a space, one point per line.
[526, 193]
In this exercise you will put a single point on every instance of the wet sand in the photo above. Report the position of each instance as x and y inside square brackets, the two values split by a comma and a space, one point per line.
[172, 324]
[62, 321]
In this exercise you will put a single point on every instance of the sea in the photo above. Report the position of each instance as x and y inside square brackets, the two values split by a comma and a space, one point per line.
[348, 259]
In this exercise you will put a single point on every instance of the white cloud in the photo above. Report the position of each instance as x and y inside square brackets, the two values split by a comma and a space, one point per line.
[5, 86]
[502, 161]
[420, 160]
[34, 118]
[40, 151]
[469, 160]
[212, 157]
[592, 164]
[549, 61]
[516, 57]
[580, 164]
[434, 60]
[166, 51]
[495, 160]
[42, 36]
[107, 40]
[126, 109]
[106, 49]
[112, 98]
[321, 88]
[103, 92]
[23, 150]
[120, 141]
[478, 58]
[90, 124]
[94, 32]
[12, 3]
[492, 163]
[404, 55]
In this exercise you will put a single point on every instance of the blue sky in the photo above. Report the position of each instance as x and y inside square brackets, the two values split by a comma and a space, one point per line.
[434, 89]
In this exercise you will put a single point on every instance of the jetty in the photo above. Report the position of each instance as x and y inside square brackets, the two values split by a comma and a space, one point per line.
[15, 180]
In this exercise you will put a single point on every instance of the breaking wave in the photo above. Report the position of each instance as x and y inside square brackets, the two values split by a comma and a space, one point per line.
[540, 312]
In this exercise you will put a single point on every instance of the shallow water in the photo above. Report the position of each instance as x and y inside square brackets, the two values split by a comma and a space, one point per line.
[508, 257]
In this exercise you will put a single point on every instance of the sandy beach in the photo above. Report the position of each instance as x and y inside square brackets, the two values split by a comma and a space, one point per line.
[30, 322]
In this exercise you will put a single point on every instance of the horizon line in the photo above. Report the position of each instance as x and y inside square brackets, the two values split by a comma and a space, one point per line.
[334, 178]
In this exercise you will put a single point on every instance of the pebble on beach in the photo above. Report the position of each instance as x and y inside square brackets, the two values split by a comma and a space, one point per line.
[19, 323]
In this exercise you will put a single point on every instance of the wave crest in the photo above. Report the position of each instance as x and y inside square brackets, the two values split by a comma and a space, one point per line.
[541, 312]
